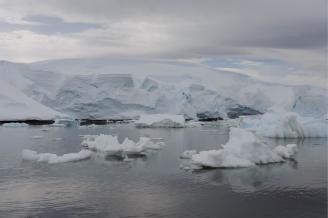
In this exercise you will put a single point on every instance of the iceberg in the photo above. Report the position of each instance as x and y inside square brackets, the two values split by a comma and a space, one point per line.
[110, 145]
[50, 158]
[243, 149]
[160, 121]
[286, 125]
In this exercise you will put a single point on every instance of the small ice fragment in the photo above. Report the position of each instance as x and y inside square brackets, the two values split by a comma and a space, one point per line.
[286, 151]
[188, 154]
[50, 158]
[160, 121]
[37, 137]
[14, 125]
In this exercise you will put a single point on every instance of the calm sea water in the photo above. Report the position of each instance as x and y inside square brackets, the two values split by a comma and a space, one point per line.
[155, 186]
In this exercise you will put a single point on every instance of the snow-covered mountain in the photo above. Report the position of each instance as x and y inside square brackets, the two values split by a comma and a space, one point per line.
[103, 88]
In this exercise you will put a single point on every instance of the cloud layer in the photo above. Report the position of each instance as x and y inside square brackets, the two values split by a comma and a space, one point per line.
[291, 31]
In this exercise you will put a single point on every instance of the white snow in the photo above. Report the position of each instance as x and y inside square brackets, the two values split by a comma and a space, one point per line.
[50, 158]
[243, 149]
[161, 120]
[286, 125]
[110, 145]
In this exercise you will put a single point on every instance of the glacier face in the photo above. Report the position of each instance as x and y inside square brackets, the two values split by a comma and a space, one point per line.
[106, 95]
[105, 88]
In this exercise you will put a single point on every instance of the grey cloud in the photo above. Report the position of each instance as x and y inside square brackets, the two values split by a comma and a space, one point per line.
[47, 25]
[289, 30]
[295, 35]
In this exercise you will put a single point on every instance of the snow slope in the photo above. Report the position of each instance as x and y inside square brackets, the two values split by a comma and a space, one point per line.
[14, 103]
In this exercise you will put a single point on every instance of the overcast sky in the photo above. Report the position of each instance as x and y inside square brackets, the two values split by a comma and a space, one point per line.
[281, 40]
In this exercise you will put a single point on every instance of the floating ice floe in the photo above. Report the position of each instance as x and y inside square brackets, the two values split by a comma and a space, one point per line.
[91, 126]
[14, 125]
[110, 145]
[160, 121]
[37, 137]
[243, 149]
[286, 125]
[50, 158]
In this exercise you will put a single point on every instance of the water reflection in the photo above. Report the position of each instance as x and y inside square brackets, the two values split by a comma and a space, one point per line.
[249, 179]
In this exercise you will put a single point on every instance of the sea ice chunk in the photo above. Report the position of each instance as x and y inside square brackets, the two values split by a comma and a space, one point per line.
[161, 120]
[188, 154]
[110, 145]
[54, 158]
[286, 125]
[65, 122]
[14, 125]
[37, 137]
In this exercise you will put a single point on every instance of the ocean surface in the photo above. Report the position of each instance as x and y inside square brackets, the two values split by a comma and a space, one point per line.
[155, 185]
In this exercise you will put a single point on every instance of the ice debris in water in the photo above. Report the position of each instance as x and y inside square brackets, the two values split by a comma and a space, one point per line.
[188, 154]
[50, 158]
[286, 125]
[107, 144]
[37, 137]
[65, 122]
[110, 145]
[243, 149]
[14, 125]
[160, 121]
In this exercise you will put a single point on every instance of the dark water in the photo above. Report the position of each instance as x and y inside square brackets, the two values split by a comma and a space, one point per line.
[155, 186]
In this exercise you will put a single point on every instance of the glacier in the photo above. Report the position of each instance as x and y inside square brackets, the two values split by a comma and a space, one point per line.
[104, 88]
